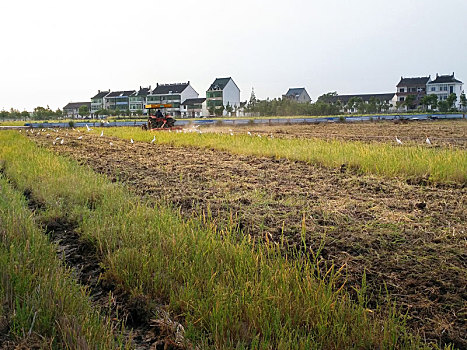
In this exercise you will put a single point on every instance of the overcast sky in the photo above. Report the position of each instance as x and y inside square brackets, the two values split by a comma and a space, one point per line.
[59, 51]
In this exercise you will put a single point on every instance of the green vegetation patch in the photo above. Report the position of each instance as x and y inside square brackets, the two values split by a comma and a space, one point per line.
[230, 291]
[40, 303]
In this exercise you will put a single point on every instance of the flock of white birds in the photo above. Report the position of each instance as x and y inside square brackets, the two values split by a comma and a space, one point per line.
[61, 140]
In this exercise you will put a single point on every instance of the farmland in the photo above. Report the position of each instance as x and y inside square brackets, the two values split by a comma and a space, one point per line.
[394, 235]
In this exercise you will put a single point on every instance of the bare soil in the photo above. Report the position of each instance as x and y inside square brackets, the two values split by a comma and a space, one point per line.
[452, 133]
[409, 239]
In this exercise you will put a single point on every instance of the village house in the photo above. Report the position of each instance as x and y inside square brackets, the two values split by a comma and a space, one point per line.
[173, 94]
[299, 95]
[138, 100]
[386, 101]
[118, 100]
[97, 102]
[194, 108]
[223, 94]
[443, 86]
[411, 86]
[71, 110]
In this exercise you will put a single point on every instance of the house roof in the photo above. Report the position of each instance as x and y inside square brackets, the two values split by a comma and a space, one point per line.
[413, 81]
[162, 89]
[101, 94]
[444, 79]
[121, 93]
[295, 92]
[143, 91]
[219, 83]
[365, 97]
[193, 101]
[76, 105]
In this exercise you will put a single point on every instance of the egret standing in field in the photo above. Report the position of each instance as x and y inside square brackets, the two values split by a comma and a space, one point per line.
[88, 128]
[428, 141]
[79, 138]
[154, 139]
[102, 133]
[398, 141]
[61, 142]
[249, 133]
[131, 140]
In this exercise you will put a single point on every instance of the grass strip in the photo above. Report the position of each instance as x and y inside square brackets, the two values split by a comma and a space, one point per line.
[435, 164]
[39, 294]
[230, 292]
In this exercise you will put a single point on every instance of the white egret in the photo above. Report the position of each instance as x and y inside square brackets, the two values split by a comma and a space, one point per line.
[102, 133]
[79, 138]
[88, 128]
[428, 141]
[154, 139]
[398, 141]
[131, 140]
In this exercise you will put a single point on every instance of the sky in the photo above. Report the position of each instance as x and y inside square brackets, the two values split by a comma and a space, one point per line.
[59, 51]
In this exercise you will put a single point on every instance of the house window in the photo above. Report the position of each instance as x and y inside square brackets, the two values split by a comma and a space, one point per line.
[401, 90]
[433, 88]
[402, 99]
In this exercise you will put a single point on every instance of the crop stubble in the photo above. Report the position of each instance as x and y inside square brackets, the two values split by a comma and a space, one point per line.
[408, 237]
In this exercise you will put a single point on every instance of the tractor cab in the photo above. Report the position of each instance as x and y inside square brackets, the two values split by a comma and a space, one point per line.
[157, 119]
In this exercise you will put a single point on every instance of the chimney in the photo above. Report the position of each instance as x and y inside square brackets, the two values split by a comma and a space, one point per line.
[98, 91]
[149, 87]
[188, 82]
[437, 75]
[453, 74]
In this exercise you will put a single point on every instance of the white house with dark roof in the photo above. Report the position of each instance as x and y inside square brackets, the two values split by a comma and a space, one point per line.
[412, 86]
[194, 108]
[118, 100]
[386, 101]
[443, 86]
[71, 110]
[299, 95]
[223, 92]
[173, 94]
[138, 100]
[98, 102]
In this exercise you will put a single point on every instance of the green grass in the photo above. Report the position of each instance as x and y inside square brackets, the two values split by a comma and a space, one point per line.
[39, 295]
[435, 164]
[230, 291]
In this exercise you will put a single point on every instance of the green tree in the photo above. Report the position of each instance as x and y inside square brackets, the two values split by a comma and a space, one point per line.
[25, 115]
[327, 97]
[4, 114]
[83, 111]
[410, 101]
[443, 106]
[463, 101]
[451, 100]
[139, 112]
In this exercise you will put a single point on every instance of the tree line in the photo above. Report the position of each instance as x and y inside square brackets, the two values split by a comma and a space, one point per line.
[328, 104]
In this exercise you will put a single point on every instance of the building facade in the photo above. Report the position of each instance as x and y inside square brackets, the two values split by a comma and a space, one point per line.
[118, 100]
[98, 101]
[194, 108]
[173, 94]
[412, 86]
[138, 100]
[223, 93]
[71, 110]
[299, 95]
[443, 86]
[384, 102]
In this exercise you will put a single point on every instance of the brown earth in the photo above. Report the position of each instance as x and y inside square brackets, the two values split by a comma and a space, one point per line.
[451, 133]
[409, 238]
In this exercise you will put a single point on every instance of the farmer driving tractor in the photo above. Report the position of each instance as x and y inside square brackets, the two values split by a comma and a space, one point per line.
[157, 120]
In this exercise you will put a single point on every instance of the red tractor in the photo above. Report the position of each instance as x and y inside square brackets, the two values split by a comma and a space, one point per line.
[156, 119]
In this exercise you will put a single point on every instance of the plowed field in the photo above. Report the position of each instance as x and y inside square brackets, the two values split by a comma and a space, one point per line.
[408, 238]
